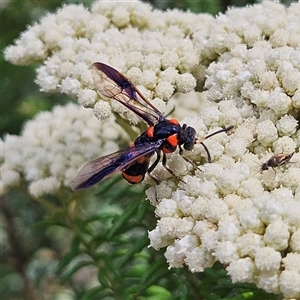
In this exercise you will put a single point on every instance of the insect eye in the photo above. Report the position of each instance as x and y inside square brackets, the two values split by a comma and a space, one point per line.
[189, 145]
[191, 139]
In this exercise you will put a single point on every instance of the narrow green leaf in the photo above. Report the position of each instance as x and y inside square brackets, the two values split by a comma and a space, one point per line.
[155, 272]
[83, 226]
[101, 216]
[108, 185]
[103, 278]
[138, 246]
[70, 256]
[153, 268]
[68, 274]
[109, 263]
[64, 262]
[121, 220]
[143, 207]
[96, 293]
[75, 246]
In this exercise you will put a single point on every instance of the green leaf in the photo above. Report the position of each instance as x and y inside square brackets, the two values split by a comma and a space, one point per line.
[83, 226]
[103, 278]
[155, 292]
[75, 246]
[70, 256]
[79, 265]
[110, 264]
[156, 271]
[153, 268]
[97, 293]
[108, 185]
[122, 220]
[143, 207]
[138, 246]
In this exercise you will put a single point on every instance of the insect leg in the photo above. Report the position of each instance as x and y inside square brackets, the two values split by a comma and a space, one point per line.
[152, 167]
[187, 159]
[164, 163]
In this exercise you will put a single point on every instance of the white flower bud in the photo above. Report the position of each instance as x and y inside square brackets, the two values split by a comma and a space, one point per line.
[290, 284]
[242, 270]
[198, 260]
[87, 97]
[277, 235]
[287, 125]
[279, 102]
[102, 110]
[185, 83]
[267, 259]
[266, 133]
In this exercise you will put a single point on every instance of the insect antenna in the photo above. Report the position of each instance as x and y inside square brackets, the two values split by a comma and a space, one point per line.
[260, 168]
[210, 135]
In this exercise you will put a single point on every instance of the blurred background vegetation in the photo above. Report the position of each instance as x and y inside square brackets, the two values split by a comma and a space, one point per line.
[65, 250]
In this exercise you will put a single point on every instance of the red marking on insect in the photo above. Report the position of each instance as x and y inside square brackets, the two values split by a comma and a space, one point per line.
[162, 136]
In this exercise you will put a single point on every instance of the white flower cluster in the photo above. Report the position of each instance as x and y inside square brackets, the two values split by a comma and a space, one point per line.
[151, 47]
[258, 57]
[52, 148]
[229, 211]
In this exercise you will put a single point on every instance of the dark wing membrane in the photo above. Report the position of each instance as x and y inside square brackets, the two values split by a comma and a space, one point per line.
[98, 169]
[112, 84]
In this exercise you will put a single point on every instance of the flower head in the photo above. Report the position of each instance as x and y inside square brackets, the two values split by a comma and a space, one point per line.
[53, 146]
[132, 37]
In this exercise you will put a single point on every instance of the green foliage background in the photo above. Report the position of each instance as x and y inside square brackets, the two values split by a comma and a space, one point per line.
[92, 247]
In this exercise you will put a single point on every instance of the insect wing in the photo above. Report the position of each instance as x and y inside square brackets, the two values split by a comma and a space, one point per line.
[98, 169]
[284, 158]
[112, 84]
